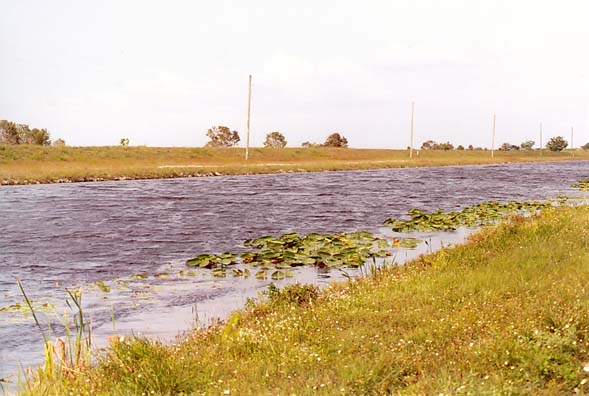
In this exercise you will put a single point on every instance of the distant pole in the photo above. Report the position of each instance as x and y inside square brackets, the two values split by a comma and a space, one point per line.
[493, 141]
[572, 145]
[249, 105]
[541, 139]
[411, 142]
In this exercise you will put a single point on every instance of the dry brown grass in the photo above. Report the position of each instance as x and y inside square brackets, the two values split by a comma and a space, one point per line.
[33, 164]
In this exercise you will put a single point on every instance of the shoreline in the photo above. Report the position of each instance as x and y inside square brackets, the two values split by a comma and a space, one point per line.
[459, 318]
[217, 170]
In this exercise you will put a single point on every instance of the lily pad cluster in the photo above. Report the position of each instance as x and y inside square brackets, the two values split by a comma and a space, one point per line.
[473, 216]
[582, 185]
[350, 250]
[24, 309]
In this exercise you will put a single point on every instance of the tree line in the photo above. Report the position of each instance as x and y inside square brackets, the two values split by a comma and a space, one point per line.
[13, 134]
[557, 143]
[222, 136]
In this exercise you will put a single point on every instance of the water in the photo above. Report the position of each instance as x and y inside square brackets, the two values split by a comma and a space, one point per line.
[57, 236]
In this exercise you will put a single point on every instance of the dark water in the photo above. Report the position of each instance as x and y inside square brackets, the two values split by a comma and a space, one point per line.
[56, 236]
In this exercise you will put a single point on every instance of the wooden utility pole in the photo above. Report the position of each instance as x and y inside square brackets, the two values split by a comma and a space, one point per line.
[493, 141]
[249, 105]
[411, 140]
[541, 139]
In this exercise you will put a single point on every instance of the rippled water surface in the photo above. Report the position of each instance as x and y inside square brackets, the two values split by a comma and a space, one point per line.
[56, 236]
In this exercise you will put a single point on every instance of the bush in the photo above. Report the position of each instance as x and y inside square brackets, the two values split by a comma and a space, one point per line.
[221, 136]
[557, 143]
[336, 140]
[275, 140]
[508, 147]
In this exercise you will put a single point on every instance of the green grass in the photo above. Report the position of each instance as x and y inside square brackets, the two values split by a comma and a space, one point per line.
[506, 314]
[35, 164]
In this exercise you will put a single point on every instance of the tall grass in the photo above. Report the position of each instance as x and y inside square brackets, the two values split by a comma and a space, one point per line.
[63, 359]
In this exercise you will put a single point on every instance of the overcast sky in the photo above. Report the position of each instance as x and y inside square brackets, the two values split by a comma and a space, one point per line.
[162, 73]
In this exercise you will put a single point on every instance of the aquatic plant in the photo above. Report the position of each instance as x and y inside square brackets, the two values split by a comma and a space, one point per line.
[474, 216]
[582, 185]
[63, 357]
[280, 254]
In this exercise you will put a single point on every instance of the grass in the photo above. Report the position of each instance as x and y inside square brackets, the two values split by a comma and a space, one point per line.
[505, 314]
[35, 164]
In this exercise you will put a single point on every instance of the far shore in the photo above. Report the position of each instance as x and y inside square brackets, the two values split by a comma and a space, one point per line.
[22, 165]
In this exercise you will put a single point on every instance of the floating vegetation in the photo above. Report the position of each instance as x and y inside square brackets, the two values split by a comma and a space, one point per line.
[407, 243]
[212, 261]
[103, 286]
[276, 256]
[582, 185]
[24, 309]
[474, 216]
[139, 277]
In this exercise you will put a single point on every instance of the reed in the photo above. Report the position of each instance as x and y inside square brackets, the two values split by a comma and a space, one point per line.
[62, 358]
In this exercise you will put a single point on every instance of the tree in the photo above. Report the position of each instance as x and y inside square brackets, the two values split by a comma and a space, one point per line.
[221, 136]
[444, 146]
[12, 133]
[428, 145]
[585, 146]
[470, 147]
[9, 133]
[557, 143]
[59, 143]
[40, 137]
[124, 142]
[431, 145]
[460, 147]
[508, 147]
[527, 145]
[336, 140]
[275, 140]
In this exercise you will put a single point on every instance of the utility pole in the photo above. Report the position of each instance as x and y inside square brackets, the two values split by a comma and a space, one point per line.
[541, 139]
[572, 145]
[249, 104]
[411, 141]
[493, 142]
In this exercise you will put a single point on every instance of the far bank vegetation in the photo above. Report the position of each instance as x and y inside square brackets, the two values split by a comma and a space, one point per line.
[12, 134]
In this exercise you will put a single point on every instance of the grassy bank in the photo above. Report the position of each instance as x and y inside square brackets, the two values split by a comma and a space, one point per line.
[508, 313]
[34, 164]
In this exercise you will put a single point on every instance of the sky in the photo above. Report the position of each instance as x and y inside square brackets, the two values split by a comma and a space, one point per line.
[162, 73]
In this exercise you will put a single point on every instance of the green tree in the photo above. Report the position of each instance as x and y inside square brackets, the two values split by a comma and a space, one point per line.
[508, 147]
[12, 133]
[336, 140]
[40, 137]
[275, 140]
[527, 145]
[221, 136]
[444, 146]
[585, 146]
[124, 142]
[557, 143]
[9, 133]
